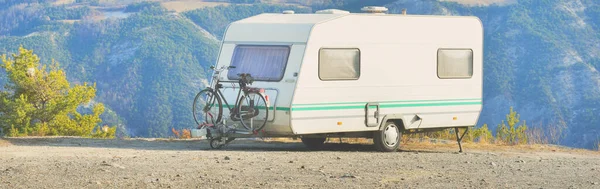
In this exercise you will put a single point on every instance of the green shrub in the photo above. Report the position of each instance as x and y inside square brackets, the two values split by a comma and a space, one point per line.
[482, 134]
[39, 101]
[512, 133]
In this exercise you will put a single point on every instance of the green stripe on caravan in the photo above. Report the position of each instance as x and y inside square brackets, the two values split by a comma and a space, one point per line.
[387, 104]
[404, 101]
[384, 106]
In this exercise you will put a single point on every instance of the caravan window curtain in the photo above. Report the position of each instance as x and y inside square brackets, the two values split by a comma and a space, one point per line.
[339, 64]
[262, 62]
[455, 63]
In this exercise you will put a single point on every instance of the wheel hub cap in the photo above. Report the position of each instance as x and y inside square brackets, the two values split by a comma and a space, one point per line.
[390, 135]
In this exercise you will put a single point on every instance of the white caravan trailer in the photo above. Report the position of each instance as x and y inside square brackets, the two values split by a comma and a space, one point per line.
[374, 75]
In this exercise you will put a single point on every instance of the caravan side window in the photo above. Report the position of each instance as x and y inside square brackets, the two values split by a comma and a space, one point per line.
[262, 62]
[339, 64]
[455, 63]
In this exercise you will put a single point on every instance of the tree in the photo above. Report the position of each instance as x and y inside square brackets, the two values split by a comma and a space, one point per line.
[512, 133]
[40, 101]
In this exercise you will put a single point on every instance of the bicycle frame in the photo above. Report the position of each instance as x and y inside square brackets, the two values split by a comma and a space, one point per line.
[216, 86]
[218, 91]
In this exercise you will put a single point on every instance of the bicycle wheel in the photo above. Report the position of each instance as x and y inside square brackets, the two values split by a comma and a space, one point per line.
[207, 107]
[253, 111]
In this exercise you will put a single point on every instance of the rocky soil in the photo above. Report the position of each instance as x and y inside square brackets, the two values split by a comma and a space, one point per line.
[90, 163]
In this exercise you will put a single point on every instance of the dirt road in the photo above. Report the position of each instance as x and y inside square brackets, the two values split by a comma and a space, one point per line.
[89, 163]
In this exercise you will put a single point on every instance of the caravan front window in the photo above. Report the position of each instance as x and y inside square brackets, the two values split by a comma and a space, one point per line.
[262, 62]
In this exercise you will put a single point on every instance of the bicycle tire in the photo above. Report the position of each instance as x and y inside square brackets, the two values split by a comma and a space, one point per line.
[211, 98]
[258, 110]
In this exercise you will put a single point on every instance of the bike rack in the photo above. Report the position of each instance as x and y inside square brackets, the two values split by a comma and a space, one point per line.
[220, 135]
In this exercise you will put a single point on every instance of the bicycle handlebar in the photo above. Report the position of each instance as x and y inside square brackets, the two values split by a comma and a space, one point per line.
[245, 78]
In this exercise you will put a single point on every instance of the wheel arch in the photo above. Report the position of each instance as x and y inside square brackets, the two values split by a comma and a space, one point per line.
[396, 119]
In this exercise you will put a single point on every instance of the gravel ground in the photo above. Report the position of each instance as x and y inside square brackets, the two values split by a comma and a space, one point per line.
[90, 163]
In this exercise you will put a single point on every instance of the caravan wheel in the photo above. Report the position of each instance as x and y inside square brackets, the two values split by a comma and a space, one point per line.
[388, 138]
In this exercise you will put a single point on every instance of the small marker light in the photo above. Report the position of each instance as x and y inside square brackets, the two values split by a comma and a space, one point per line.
[339, 123]
[454, 118]
[267, 101]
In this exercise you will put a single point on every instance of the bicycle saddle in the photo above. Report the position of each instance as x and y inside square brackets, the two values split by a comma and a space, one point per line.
[245, 78]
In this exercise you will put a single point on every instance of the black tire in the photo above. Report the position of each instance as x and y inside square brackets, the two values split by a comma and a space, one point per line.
[253, 111]
[388, 138]
[216, 143]
[314, 143]
[207, 107]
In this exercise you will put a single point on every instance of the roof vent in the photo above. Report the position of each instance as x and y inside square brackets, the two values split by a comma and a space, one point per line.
[374, 9]
[288, 12]
[332, 11]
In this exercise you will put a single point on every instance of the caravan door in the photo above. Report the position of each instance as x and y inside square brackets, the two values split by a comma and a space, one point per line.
[372, 114]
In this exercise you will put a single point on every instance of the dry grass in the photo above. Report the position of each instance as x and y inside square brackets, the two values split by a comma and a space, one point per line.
[185, 5]
[433, 144]
[284, 140]
[350, 140]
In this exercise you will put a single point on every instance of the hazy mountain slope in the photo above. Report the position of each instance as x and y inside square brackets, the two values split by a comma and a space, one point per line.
[147, 67]
[151, 71]
[216, 19]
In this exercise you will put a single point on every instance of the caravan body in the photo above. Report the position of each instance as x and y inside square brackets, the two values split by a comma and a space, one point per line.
[353, 72]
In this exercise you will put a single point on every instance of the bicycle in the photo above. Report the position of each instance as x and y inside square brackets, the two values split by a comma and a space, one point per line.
[251, 107]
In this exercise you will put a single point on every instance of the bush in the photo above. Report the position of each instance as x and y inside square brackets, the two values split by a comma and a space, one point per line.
[39, 101]
[482, 134]
[512, 133]
[183, 134]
